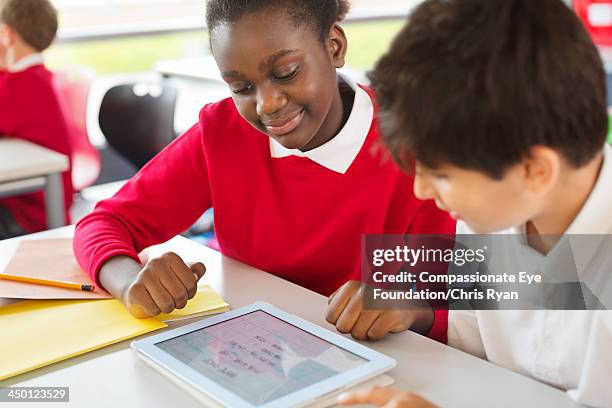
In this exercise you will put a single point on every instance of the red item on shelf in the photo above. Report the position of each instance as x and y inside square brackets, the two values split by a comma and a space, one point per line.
[597, 18]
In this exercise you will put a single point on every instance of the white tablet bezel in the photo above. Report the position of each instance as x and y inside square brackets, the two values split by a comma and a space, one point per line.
[376, 364]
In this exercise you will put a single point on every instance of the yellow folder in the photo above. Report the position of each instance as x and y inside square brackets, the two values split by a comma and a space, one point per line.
[205, 303]
[37, 333]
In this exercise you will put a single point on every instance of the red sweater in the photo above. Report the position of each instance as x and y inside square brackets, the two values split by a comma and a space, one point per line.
[288, 216]
[31, 109]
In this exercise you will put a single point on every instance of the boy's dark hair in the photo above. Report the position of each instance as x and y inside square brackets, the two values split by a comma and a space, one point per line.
[34, 20]
[478, 83]
[321, 14]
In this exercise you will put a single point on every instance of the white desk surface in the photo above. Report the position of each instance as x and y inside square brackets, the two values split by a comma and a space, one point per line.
[113, 376]
[203, 67]
[20, 160]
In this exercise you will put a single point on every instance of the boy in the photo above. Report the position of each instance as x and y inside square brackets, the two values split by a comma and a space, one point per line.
[30, 107]
[501, 105]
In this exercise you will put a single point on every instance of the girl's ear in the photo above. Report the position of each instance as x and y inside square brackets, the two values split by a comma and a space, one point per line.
[337, 45]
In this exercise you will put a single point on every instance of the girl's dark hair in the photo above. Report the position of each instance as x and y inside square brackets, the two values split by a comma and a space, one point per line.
[478, 83]
[320, 14]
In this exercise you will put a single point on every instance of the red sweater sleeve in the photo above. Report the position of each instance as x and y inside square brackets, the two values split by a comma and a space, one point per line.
[439, 328]
[162, 200]
[431, 220]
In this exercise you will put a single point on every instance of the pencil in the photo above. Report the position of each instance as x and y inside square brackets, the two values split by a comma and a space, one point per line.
[67, 285]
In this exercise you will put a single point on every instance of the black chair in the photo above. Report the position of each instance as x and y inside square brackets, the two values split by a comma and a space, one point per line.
[137, 119]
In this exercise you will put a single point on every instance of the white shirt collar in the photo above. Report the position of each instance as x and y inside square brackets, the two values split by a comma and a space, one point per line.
[338, 154]
[27, 62]
[595, 217]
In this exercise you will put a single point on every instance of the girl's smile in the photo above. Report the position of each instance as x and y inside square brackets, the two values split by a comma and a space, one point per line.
[284, 124]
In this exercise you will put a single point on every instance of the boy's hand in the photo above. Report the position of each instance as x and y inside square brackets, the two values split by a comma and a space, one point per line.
[384, 397]
[162, 285]
[345, 311]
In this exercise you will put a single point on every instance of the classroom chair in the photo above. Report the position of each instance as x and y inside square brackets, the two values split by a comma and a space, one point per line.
[73, 87]
[137, 119]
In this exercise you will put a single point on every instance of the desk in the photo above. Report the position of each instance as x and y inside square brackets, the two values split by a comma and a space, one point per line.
[27, 167]
[113, 376]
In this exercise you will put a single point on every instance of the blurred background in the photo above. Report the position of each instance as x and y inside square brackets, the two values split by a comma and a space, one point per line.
[101, 33]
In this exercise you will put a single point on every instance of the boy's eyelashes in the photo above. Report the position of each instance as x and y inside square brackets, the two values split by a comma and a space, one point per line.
[283, 77]
[432, 174]
[440, 176]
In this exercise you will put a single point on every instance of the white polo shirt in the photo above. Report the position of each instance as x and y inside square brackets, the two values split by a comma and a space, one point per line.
[571, 350]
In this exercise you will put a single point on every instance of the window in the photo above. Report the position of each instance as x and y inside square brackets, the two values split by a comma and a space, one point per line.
[122, 36]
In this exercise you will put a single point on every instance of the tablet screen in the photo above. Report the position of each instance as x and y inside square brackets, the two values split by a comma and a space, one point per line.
[260, 357]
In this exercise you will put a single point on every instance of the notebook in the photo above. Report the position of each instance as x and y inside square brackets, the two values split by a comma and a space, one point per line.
[50, 259]
[36, 333]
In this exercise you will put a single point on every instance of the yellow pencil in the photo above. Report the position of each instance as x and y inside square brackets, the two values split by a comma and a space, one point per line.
[67, 285]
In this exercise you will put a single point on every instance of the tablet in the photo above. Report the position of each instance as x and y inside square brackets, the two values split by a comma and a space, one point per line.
[261, 356]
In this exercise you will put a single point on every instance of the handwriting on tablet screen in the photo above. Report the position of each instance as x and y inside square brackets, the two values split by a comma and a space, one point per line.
[260, 357]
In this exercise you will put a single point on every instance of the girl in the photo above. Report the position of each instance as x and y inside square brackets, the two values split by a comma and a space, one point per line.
[291, 165]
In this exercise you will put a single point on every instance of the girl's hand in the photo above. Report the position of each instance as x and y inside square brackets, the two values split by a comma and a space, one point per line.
[384, 397]
[163, 284]
[160, 286]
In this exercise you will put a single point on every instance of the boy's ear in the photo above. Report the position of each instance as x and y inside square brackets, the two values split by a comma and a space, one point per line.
[337, 45]
[542, 169]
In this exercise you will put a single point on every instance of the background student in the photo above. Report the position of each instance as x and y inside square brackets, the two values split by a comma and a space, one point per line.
[502, 105]
[291, 164]
[30, 106]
